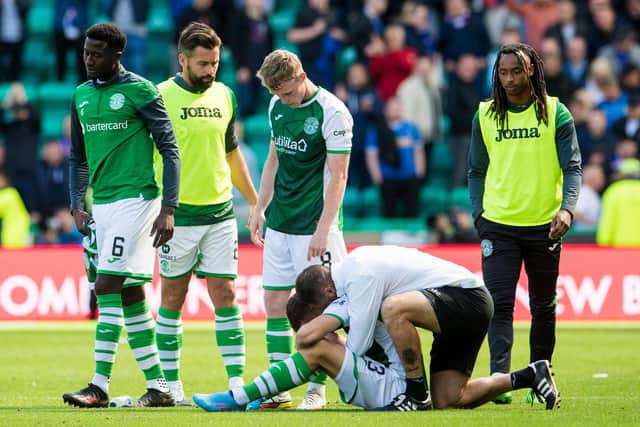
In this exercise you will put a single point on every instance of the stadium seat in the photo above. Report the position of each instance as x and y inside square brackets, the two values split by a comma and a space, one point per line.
[280, 23]
[40, 20]
[371, 201]
[345, 58]
[51, 120]
[55, 103]
[433, 200]
[38, 60]
[460, 198]
[256, 129]
[288, 5]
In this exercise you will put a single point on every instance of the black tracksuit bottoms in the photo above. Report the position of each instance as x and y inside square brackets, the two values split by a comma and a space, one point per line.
[504, 249]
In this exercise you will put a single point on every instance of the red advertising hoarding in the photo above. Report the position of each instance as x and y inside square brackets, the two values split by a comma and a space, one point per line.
[49, 283]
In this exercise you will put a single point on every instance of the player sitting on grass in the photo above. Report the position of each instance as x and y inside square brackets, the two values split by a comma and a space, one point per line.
[367, 382]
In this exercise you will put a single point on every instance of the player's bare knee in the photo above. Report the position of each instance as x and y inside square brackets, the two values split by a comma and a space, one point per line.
[132, 295]
[174, 299]
[391, 311]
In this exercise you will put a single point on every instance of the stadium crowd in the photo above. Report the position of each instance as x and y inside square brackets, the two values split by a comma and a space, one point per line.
[411, 72]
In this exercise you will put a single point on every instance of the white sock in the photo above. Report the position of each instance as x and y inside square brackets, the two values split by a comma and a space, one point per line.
[158, 384]
[318, 388]
[235, 382]
[101, 381]
[240, 396]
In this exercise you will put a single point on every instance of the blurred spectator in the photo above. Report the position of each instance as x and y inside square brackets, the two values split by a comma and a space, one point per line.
[365, 107]
[69, 23]
[2, 156]
[417, 27]
[463, 223]
[619, 225]
[462, 32]
[365, 26]
[580, 107]
[628, 127]
[614, 102]
[13, 31]
[630, 79]
[462, 99]
[623, 150]
[14, 218]
[65, 138]
[178, 7]
[509, 35]
[440, 229]
[538, 16]
[454, 227]
[602, 29]
[252, 41]
[568, 26]
[131, 16]
[392, 63]
[577, 65]
[599, 70]
[497, 18]
[557, 83]
[318, 36]
[422, 103]
[623, 50]
[632, 8]
[598, 139]
[20, 127]
[395, 159]
[52, 180]
[63, 227]
[587, 212]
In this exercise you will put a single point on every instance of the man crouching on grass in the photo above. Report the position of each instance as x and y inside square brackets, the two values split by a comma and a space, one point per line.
[379, 382]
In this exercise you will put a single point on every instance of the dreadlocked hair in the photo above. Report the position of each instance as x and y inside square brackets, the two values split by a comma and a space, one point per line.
[499, 106]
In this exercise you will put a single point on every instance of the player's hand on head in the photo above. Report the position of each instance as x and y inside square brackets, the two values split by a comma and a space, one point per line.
[162, 228]
[81, 217]
[560, 224]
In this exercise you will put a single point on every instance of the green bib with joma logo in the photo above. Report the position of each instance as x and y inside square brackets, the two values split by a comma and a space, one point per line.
[523, 186]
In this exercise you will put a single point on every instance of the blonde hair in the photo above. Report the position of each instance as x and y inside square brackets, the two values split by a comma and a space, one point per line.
[279, 67]
[15, 95]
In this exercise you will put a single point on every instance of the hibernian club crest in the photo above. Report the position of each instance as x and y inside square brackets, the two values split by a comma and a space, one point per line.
[487, 248]
[311, 125]
[116, 101]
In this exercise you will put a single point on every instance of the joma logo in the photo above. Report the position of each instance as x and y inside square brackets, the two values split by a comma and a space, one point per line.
[200, 112]
[521, 133]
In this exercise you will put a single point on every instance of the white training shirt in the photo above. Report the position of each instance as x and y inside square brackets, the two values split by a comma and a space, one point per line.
[369, 274]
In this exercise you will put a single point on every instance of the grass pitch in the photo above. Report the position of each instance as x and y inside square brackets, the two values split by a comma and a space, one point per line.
[597, 371]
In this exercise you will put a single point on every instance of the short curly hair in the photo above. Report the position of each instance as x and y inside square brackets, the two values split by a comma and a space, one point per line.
[109, 33]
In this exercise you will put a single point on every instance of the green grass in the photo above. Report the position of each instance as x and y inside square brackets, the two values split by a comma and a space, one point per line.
[39, 362]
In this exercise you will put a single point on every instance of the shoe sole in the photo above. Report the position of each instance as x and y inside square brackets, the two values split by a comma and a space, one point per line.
[280, 405]
[71, 401]
[184, 402]
[316, 408]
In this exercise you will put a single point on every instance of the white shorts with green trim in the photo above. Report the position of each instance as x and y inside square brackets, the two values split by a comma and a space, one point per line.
[366, 383]
[285, 256]
[125, 247]
[208, 250]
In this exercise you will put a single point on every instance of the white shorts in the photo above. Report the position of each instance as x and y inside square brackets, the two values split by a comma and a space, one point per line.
[122, 237]
[285, 256]
[366, 383]
[208, 250]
